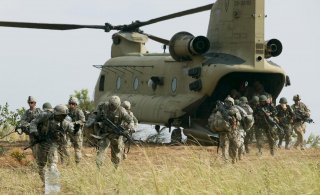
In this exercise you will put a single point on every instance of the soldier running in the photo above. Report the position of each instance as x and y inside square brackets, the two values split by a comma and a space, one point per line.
[28, 116]
[78, 120]
[49, 129]
[118, 115]
[299, 124]
[262, 116]
[285, 116]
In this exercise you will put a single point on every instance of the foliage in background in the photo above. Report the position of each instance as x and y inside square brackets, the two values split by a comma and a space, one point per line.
[9, 119]
[85, 103]
[313, 140]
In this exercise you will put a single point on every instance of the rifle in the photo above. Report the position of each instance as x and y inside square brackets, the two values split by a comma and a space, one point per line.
[223, 111]
[43, 138]
[116, 129]
[23, 129]
[272, 121]
[37, 140]
[300, 116]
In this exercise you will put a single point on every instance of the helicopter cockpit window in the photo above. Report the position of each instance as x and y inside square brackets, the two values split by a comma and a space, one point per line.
[118, 83]
[174, 84]
[135, 83]
[101, 83]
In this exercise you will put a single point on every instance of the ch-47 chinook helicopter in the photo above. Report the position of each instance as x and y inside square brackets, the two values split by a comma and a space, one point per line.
[180, 88]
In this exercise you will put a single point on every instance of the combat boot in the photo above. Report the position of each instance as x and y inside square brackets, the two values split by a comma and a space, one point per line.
[287, 147]
[259, 153]
[247, 149]
[272, 152]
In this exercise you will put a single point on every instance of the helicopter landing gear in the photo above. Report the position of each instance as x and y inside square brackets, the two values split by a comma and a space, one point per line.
[176, 136]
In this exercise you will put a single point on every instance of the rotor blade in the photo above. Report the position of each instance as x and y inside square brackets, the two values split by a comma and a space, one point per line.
[138, 24]
[48, 26]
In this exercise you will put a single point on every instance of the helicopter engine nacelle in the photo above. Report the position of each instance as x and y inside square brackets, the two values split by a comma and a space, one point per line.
[273, 48]
[183, 46]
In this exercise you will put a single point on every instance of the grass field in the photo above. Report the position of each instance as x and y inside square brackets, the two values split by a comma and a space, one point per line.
[169, 170]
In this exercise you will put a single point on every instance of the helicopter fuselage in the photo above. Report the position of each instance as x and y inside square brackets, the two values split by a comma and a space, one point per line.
[164, 91]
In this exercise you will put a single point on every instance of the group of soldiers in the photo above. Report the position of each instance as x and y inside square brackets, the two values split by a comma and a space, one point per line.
[50, 130]
[238, 120]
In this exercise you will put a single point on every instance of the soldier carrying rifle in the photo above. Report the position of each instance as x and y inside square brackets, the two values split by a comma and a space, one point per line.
[285, 116]
[49, 129]
[302, 115]
[229, 123]
[266, 124]
[28, 116]
[109, 116]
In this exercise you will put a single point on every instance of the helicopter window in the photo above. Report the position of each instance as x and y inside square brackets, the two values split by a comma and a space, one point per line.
[174, 84]
[118, 83]
[135, 83]
[101, 83]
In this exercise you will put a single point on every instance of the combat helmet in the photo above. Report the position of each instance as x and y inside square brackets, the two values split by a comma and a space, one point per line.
[126, 105]
[73, 100]
[283, 100]
[263, 98]
[60, 110]
[229, 99]
[296, 97]
[47, 106]
[255, 99]
[243, 99]
[115, 101]
[31, 99]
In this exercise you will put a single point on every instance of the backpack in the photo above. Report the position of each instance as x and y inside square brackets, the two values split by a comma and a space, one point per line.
[217, 123]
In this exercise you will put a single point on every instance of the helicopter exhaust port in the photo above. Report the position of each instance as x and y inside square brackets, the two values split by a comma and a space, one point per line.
[184, 45]
[273, 48]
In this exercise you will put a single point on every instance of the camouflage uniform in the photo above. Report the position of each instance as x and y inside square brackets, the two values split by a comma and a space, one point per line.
[230, 140]
[127, 106]
[263, 126]
[118, 115]
[27, 117]
[285, 116]
[299, 125]
[250, 133]
[78, 120]
[247, 123]
[50, 129]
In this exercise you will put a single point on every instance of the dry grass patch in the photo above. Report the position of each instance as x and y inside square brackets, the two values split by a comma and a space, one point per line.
[177, 170]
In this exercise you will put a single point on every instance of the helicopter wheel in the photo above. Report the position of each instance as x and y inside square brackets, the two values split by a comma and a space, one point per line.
[176, 136]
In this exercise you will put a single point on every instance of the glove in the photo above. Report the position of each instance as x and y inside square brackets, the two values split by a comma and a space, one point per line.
[34, 134]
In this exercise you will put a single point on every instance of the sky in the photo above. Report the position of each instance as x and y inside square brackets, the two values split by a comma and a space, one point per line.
[50, 65]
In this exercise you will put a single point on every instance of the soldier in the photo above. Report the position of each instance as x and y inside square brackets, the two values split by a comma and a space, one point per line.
[230, 138]
[234, 130]
[285, 116]
[49, 128]
[127, 105]
[46, 107]
[299, 124]
[263, 116]
[248, 122]
[78, 120]
[119, 116]
[28, 116]
[235, 94]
